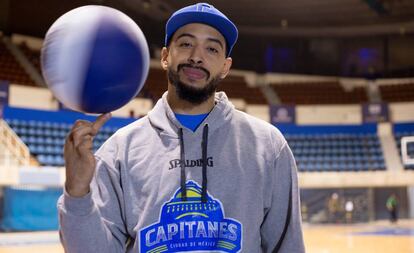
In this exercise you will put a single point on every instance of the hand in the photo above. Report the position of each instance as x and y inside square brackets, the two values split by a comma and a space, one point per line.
[79, 159]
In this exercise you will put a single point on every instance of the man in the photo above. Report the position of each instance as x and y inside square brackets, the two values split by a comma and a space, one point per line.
[195, 175]
[392, 207]
[334, 208]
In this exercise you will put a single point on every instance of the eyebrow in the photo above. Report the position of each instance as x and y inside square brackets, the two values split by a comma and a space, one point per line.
[192, 36]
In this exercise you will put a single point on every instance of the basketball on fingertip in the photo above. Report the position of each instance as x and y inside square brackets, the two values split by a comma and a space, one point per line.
[95, 59]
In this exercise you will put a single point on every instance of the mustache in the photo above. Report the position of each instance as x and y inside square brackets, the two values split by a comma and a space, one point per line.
[186, 65]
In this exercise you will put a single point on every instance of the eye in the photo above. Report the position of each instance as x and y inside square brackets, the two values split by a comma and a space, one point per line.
[212, 50]
[185, 44]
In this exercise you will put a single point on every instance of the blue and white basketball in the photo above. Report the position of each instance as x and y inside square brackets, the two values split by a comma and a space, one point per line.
[95, 59]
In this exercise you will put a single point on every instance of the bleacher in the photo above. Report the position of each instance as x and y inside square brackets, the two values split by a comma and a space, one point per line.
[32, 55]
[335, 148]
[316, 148]
[236, 87]
[155, 85]
[10, 69]
[318, 93]
[397, 92]
[44, 132]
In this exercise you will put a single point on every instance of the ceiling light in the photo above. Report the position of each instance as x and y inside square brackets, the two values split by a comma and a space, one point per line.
[284, 23]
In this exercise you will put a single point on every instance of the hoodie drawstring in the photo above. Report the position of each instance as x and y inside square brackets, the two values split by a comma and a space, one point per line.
[204, 163]
[204, 144]
[182, 163]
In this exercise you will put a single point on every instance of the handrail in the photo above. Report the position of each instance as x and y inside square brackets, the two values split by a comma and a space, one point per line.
[13, 151]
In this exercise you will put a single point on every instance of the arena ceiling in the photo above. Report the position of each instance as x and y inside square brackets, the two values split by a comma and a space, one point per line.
[304, 36]
[260, 17]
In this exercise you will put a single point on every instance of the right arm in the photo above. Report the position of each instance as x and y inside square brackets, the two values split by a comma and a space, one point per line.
[91, 206]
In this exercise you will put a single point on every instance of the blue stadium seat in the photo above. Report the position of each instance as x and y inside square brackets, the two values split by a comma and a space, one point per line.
[31, 131]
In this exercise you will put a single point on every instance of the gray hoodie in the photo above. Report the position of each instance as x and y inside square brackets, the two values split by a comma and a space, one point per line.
[230, 186]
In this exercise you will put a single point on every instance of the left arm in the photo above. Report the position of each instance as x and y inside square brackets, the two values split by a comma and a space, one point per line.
[281, 230]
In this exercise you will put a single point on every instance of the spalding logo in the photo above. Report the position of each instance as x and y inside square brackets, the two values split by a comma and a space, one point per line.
[192, 226]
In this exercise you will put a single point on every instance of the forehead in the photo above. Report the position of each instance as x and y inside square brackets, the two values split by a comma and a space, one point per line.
[199, 31]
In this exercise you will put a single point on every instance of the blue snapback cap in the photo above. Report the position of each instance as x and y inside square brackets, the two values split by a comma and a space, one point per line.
[206, 14]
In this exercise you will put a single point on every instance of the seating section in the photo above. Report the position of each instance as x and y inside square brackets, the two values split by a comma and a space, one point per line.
[316, 148]
[236, 87]
[45, 132]
[397, 93]
[319, 93]
[10, 69]
[155, 85]
[313, 152]
[337, 152]
[401, 130]
[45, 139]
[32, 55]
[325, 149]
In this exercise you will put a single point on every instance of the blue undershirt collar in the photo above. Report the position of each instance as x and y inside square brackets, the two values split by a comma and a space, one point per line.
[190, 121]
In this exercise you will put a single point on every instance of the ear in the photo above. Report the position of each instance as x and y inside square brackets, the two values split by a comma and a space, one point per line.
[226, 67]
[164, 58]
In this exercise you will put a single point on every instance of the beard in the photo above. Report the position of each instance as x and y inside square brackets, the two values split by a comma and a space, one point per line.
[191, 94]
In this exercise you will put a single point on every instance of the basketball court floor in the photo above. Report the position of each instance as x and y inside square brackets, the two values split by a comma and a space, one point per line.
[378, 237]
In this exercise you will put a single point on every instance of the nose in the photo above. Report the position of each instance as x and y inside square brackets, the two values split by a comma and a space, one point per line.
[195, 57]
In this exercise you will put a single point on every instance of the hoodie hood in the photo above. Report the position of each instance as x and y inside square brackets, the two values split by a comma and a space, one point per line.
[162, 117]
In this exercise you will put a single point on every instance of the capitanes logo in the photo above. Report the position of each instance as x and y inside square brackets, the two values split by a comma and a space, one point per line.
[192, 226]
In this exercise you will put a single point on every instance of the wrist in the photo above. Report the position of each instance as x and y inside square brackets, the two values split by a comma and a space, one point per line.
[76, 191]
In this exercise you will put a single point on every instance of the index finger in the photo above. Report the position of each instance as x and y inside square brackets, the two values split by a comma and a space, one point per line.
[101, 120]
